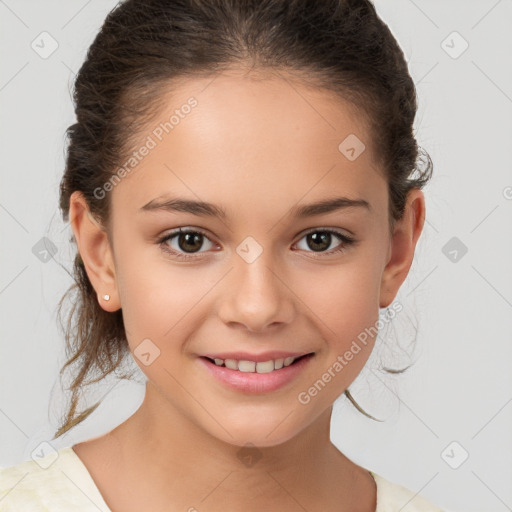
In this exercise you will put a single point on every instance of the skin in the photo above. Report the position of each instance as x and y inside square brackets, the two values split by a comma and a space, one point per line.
[256, 146]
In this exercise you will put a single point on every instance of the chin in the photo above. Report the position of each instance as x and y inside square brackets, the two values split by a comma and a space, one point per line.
[263, 433]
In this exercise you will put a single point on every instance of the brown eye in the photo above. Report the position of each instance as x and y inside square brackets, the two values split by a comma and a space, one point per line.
[181, 243]
[319, 241]
[189, 241]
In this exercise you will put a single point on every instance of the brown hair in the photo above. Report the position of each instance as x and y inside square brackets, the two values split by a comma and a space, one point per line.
[144, 46]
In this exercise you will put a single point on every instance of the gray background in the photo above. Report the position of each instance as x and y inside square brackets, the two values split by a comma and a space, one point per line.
[455, 402]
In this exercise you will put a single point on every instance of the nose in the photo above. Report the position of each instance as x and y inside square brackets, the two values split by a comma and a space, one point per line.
[255, 296]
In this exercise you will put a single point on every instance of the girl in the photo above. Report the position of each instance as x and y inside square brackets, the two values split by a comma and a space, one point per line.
[239, 187]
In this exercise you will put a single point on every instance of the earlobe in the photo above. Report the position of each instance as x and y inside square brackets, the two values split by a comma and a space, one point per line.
[403, 243]
[94, 248]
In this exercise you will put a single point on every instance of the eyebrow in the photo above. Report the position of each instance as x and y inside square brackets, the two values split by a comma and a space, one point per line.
[206, 209]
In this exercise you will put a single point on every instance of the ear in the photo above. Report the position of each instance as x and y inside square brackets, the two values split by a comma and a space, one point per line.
[403, 243]
[95, 251]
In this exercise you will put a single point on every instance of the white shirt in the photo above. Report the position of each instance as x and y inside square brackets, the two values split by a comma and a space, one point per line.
[60, 482]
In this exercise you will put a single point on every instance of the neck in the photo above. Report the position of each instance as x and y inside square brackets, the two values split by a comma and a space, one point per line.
[167, 447]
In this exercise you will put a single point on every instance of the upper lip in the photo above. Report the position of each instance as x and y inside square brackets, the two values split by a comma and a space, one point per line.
[257, 358]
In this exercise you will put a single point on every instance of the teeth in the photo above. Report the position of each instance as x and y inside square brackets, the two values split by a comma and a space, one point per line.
[246, 366]
[255, 367]
[266, 367]
[230, 363]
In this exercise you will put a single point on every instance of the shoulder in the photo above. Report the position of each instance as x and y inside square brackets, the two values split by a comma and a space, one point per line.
[392, 497]
[54, 482]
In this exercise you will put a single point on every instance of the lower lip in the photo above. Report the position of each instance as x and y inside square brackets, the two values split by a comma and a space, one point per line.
[248, 382]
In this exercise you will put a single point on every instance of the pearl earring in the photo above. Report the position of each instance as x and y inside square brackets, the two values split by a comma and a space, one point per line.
[106, 296]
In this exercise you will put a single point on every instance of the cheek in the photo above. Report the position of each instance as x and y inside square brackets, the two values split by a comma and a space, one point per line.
[346, 295]
[344, 306]
[160, 299]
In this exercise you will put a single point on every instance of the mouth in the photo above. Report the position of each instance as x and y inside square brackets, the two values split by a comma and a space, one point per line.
[251, 366]
[256, 377]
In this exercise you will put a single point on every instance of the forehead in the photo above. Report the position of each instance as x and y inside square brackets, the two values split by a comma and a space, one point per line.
[237, 137]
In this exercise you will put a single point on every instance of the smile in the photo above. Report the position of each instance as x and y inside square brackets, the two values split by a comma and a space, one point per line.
[256, 367]
[255, 376]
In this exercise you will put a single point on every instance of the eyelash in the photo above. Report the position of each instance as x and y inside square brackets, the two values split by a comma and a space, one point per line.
[347, 241]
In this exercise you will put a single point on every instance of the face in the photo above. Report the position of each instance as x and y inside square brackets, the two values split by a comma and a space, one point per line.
[260, 279]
